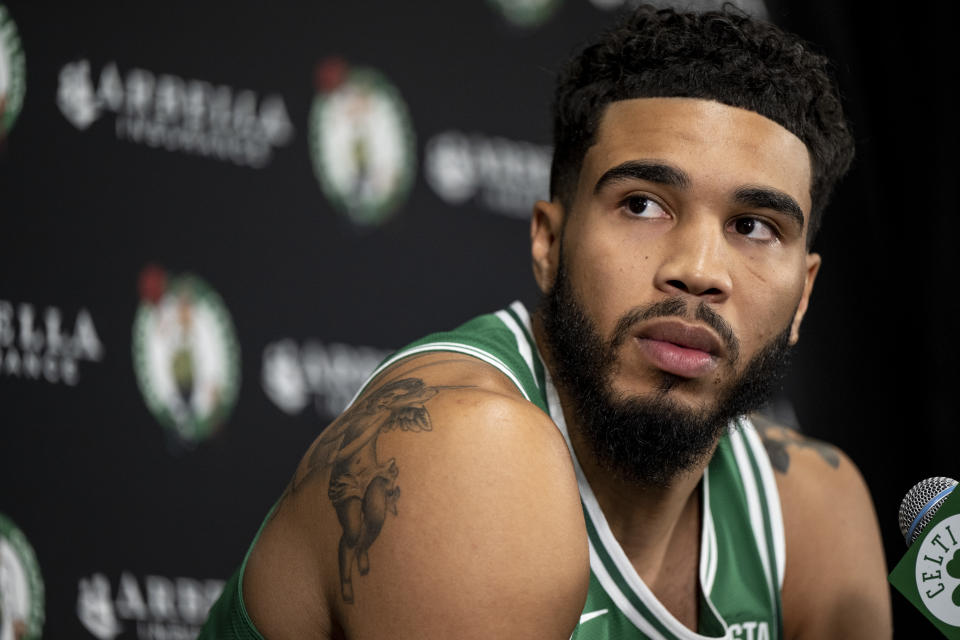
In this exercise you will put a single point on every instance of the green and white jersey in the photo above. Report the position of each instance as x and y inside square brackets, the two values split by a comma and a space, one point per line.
[741, 541]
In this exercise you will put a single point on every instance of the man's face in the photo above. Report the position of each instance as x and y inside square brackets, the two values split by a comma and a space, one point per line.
[684, 249]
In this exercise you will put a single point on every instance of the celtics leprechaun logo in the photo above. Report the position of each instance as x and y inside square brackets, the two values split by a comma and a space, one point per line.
[12, 72]
[361, 142]
[526, 13]
[21, 588]
[185, 354]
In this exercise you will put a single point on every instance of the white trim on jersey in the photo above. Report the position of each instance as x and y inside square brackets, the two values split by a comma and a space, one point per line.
[524, 316]
[772, 493]
[708, 542]
[517, 307]
[755, 508]
[553, 400]
[628, 610]
[445, 346]
[710, 551]
[523, 345]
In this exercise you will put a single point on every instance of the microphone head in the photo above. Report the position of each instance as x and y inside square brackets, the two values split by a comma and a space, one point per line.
[921, 504]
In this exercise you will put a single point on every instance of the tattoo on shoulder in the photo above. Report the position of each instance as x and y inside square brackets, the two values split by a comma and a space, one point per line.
[777, 440]
[363, 488]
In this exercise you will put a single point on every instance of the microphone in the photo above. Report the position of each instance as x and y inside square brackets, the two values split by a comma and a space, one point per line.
[929, 574]
[921, 504]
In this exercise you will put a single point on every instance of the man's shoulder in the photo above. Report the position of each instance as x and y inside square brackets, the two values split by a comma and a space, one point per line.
[835, 576]
[483, 512]
[442, 494]
[818, 482]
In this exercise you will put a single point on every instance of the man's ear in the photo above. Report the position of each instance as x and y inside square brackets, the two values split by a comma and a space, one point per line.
[813, 267]
[546, 228]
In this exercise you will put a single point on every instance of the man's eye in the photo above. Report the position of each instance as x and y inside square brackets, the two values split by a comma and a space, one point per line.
[754, 228]
[643, 207]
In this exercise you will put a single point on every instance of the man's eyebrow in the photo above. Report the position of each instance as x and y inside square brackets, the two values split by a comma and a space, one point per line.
[767, 198]
[643, 170]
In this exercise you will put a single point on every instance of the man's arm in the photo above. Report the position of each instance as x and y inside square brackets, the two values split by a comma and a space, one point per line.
[835, 581]
[442, 504]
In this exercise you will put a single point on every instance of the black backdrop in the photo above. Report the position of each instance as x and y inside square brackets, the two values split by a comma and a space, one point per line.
[185, 299]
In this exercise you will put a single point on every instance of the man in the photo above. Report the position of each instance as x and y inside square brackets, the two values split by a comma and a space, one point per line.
[589, 470]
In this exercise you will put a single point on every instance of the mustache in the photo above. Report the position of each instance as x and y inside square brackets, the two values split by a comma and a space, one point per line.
[677, 307]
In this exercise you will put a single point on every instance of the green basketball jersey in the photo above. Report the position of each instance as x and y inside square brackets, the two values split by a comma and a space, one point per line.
[741, 541]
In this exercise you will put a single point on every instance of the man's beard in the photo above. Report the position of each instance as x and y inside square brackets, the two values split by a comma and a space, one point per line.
[648, 440]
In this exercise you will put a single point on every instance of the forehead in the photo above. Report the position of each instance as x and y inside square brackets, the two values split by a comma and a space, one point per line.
[718, 146]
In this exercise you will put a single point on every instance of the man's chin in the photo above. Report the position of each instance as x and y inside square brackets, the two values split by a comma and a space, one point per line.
[694, 395]
[651, 440]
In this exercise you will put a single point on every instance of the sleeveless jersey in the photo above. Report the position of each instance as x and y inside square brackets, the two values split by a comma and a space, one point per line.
[742, 550]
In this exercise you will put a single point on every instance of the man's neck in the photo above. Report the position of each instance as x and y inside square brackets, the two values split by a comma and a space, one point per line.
[649, 522]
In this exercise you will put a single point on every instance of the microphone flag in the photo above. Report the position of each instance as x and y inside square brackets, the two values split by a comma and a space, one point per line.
[929, 574]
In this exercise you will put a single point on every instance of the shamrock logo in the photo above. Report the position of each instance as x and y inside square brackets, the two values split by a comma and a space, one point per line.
[953, 570]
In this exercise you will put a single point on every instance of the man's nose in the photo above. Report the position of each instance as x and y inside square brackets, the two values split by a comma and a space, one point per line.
[696, 260]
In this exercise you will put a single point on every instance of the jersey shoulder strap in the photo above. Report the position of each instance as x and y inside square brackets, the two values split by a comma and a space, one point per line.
[743, 555]
[740, 566]
[501, 339]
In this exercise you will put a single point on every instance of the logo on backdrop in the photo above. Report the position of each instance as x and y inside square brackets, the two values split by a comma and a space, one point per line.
[361, 142]
[160, 608]
[164, 111]
[34, 346]
[328, 375]
[13, 72]
[21, 588]
[526, 13]
[504, 176]
[938, 570]
[185, 354]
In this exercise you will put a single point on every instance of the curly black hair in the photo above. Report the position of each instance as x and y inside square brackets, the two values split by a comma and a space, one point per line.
[725, 56]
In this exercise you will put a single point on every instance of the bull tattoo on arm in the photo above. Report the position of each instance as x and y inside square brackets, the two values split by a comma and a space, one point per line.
[362, 488]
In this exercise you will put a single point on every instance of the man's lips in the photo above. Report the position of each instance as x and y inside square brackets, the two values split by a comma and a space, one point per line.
[688, 351]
